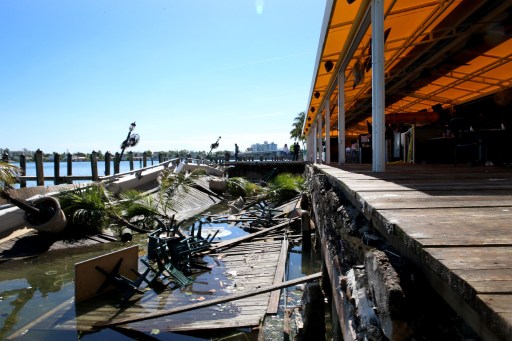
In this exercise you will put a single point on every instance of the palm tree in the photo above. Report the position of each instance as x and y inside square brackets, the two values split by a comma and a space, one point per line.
[296, 132]
[298, 123]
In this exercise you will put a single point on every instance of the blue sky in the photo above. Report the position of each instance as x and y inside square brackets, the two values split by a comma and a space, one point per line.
[75, 74]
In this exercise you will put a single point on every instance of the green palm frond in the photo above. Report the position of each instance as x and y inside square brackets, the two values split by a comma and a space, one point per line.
[171, 182]
[298, 123]
[133, 203]
[8, 174]
[242, 187]
[87, 209]
[285, 186]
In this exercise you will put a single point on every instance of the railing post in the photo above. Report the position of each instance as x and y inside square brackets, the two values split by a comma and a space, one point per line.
[23, 166]
[144, 159]
[117, 162]
[108, 158]
[94, 166]
[56, 168]
[130, 158]
[39, 168]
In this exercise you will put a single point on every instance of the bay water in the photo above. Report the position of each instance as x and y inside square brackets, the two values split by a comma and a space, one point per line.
[79, 168]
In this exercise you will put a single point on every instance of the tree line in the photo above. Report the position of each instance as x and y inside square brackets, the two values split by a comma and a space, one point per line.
[183, 153]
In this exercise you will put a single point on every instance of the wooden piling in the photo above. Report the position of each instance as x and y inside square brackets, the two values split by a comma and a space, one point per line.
[304, 201]
[69, 161]
[108, 157]
[94, 166]
[305, 229]
[56, 168]
[144, 159]
[130, 158]
[313, 312]
[287, 325]
[117, 161]
[306, 241]
[23, 166]
[39, 168]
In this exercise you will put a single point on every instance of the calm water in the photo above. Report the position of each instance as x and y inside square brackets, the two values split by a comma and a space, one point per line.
[82, 168]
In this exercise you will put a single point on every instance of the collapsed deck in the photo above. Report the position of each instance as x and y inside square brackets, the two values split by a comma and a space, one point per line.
[241, 268]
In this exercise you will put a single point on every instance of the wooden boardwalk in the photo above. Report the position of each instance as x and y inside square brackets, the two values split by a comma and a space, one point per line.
[455, 223]
[242, 268]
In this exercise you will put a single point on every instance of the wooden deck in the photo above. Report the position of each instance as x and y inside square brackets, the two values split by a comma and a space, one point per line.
[455, 223]
[242, 268]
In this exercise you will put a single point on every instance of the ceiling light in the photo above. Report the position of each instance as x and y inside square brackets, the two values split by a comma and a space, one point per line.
[328, 65]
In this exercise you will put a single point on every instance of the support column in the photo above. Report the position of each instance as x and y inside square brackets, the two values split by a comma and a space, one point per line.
[327, 131]
[319, 138]
[341, 118]
[309, 146]
[378, 88]
[315, 142]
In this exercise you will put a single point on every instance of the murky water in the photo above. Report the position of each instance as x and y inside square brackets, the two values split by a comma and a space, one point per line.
[33, 287]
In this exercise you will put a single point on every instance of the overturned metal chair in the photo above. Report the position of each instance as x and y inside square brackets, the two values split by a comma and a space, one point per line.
[126, 287]
[166, 268]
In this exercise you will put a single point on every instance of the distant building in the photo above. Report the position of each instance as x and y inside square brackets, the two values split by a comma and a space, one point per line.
[265, 147]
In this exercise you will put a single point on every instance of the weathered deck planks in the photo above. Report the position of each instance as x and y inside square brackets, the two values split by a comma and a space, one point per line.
[454, 222]
[248, 268]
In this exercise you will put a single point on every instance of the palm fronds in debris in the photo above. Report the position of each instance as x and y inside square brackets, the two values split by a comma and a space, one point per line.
[284, 187]
[88, 209]
[8, 175]
[241, 187]
[141, 210]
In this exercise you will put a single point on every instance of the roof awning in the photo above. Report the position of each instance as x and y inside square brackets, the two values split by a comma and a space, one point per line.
[446, 52]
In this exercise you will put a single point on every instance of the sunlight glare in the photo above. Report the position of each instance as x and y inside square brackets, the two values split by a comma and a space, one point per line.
[259, 6]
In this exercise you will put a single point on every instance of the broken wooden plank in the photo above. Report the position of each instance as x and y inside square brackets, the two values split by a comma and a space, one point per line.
[211, 302]
[238, 240]
[273, 304]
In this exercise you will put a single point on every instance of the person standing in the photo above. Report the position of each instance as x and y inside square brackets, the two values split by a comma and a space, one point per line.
[286, 151]
[296, 151]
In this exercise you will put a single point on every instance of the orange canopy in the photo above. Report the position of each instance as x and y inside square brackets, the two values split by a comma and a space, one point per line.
[446, 52]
